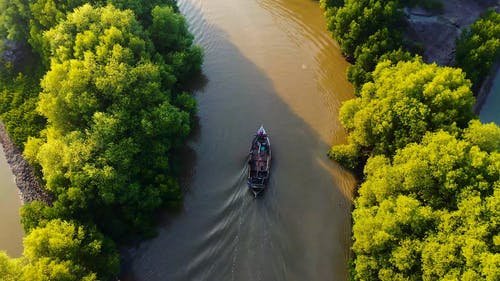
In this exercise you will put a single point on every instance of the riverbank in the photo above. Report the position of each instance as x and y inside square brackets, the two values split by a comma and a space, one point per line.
[485, 89]
[438, 32]
[29, 187]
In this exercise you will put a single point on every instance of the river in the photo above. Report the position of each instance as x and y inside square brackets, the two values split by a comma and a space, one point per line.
[11, 231]
[490, 110]
[269, 62]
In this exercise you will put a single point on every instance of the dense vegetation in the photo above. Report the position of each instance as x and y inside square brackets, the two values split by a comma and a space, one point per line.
[368, 31]
[428, 206]
[18, 101]
[478, 48]
[62, 250]
[100, 127]
[404, 101]
[371, 31]
[432, 211]
[105, 101]
[25, 21]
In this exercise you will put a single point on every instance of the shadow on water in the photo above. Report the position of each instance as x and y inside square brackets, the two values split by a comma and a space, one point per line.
[299, 229]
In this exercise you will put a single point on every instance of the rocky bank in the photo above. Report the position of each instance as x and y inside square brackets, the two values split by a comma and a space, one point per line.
[29, 187]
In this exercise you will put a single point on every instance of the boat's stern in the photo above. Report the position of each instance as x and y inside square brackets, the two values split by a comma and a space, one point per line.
[256, 188]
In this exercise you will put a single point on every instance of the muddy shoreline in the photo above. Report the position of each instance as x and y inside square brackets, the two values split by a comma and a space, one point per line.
[29, 187]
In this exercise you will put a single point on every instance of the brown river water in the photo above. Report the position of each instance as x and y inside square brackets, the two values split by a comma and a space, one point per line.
[11, 231]
[269, 62]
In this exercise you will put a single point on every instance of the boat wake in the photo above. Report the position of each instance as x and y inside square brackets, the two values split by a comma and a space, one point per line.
[241, 242]
[257, 252]
[262, 58]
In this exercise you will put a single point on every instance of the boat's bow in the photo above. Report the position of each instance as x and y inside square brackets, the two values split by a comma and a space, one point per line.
[261, 131]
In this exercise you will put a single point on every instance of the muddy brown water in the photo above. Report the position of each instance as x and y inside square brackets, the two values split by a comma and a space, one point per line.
[11, 231]
[269, 62]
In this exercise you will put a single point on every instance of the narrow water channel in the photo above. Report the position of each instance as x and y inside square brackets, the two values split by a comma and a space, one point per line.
[490, 111]
[269, 62]
[11, 231]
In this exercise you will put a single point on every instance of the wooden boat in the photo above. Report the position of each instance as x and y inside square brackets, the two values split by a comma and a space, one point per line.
[259, 162]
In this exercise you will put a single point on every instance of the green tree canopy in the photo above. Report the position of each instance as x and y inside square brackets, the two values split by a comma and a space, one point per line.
[485, 136]
[403, 102]
[173, 41]
[10, 269]
[479, 47]
[466, 243]
[436, 172]
[113, 114]
[105, 101]
[14, 20]
[355, 22]
[366, 30]
[18, 102]
[388, 238]
[432, 213]
[46, 14]
[62, 250]
[98, 31]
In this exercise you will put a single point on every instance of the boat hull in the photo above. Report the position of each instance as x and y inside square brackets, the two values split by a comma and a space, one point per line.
[259, 162]
[257, 190]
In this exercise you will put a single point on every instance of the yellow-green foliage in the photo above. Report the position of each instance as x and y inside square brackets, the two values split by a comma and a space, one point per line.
[403, 102]
[486, 136]
[14, 19]
[10, 269]
[26, 21]
[357, 22]
[367, 31]
[428, 208]
[62, 251]
[105, 99]
[18, 101]
[432, 213]
[347, 154]
[479, 47]
[110, 91]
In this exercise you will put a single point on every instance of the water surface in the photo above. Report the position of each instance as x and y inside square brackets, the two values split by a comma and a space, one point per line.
[268, 62]
[11, 231]
[490, 111]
